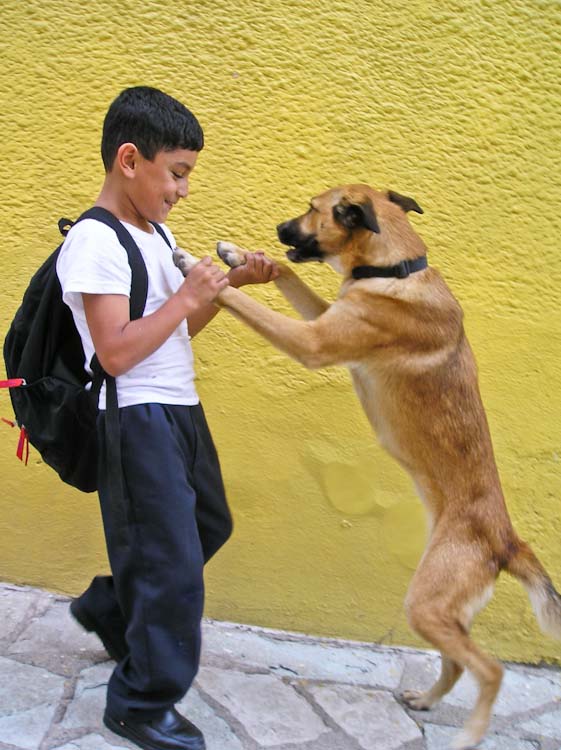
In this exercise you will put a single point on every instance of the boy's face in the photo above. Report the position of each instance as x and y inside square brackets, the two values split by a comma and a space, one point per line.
[157, 185]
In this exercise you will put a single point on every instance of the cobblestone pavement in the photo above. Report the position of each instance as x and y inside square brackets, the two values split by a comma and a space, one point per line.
[255, 689]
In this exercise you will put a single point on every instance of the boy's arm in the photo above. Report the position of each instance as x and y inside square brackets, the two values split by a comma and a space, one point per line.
[258, 269]
[121, 343]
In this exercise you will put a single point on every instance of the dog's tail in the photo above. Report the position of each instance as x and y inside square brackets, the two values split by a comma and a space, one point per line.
[545, 600]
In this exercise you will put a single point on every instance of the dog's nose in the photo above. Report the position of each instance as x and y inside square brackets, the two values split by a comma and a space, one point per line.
[284, 230]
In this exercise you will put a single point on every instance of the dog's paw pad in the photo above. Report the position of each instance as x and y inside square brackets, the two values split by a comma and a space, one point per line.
[231, 254]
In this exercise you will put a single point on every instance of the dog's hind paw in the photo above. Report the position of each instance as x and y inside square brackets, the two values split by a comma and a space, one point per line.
[465, 740]
[416, 700]
[231, 254]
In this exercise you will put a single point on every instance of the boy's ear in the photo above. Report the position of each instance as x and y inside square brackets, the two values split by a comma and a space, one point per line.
[126, 159]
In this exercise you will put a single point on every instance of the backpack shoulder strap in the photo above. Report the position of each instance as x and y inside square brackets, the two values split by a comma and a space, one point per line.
[139, 291]
[139, 281]
[163, 235]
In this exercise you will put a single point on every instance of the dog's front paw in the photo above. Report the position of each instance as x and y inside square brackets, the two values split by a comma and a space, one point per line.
[231, 254]
[184, 261]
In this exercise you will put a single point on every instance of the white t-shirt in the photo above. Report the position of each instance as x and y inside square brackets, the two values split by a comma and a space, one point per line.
[93, 261]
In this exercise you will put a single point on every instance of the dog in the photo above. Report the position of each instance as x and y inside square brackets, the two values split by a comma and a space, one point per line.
[399, 330]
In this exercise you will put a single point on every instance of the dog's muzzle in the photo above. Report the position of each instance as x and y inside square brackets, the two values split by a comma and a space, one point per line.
[303, 248]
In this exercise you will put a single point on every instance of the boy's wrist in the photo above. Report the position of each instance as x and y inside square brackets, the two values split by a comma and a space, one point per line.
[185, 304]
[258, 269]
[235, 282]
[239, 276]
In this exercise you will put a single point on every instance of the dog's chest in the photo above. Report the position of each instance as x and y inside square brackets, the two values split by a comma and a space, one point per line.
[372, 391]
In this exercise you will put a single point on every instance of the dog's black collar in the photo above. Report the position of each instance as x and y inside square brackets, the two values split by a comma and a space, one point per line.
[400, 271]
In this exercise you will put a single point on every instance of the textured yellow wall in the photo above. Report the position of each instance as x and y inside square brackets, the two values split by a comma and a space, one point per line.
[455, 103]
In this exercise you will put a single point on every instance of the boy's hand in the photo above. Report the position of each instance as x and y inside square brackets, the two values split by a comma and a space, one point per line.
[203, 283]
[258, 269]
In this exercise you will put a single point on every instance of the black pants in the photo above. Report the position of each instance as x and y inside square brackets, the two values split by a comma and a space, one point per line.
[177, 518]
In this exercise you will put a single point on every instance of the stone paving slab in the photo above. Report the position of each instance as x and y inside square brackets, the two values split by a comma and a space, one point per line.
[319, 660]
[256, 689]
[517, 690]
[46, 639]
[91, 742]
[218, 733]
[17, 607]
[439, 738]
[548, 725]
[89, 697]
[374, 718]
[528, 688]
[249, 697]
[28, 697]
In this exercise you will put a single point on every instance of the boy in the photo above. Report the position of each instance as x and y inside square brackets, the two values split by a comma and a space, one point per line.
[148, 613]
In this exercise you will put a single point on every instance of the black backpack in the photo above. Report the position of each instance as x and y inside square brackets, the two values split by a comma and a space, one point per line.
[44, 349]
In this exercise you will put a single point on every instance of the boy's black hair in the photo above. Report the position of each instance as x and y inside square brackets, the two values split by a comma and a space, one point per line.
[150, 119]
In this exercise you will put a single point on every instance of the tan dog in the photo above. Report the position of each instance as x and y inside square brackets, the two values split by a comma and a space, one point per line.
[402, 338]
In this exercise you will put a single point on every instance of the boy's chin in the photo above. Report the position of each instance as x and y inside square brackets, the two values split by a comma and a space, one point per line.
[158, 216]
[164, 213]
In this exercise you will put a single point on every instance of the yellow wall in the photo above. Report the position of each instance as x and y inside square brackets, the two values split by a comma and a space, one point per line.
[455, 103]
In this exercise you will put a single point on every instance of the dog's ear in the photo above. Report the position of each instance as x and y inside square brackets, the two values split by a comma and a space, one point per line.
[356, 216]
[407, 204]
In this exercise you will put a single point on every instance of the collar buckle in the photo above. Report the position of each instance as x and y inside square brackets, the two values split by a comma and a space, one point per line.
[402, 269]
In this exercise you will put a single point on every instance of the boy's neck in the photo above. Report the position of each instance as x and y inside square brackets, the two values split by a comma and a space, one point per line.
[118, 202]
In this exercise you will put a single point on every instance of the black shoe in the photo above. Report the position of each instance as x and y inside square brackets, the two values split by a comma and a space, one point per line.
[115, 645]
[169, 732]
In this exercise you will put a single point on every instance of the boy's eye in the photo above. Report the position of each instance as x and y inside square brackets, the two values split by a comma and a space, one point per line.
[177, 176]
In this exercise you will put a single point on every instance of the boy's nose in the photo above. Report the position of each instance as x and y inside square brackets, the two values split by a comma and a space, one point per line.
[183, 189]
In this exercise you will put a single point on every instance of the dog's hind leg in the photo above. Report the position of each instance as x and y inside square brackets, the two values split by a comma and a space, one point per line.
[489, 674]
[441, 604]
[450, 672]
